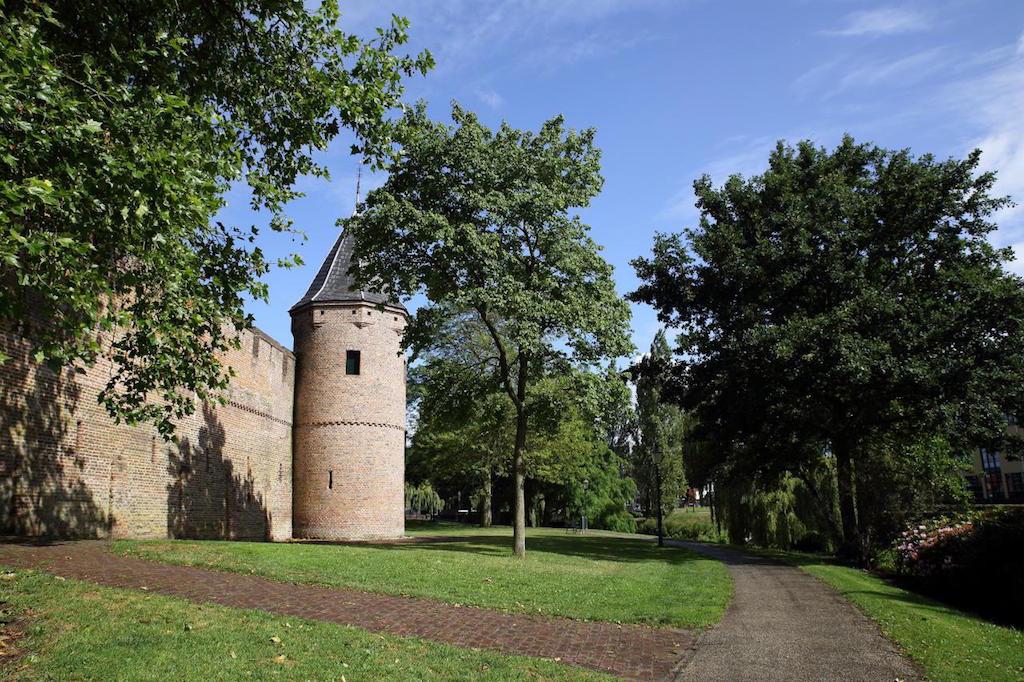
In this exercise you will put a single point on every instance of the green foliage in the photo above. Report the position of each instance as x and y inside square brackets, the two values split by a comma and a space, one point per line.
[663, 428]
[423, 499]
[465, 423]
[685, 524]
[782, 514]
[481, 221]
[607, 493]
[465, 430]
[121, 128]
[844, 303]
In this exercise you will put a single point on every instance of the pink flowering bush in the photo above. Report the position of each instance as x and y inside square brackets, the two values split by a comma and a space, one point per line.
[934, 546]
[975, 559]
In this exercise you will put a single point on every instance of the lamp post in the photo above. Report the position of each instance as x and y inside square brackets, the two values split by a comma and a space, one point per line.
[583, 515]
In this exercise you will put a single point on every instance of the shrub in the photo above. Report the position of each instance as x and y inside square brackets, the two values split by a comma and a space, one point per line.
[621, 521]
[680, 527]
[647, 526]
[975, 559]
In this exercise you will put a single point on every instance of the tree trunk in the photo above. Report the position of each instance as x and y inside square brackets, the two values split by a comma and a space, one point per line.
[486, 501]
[847, 500]
[519, 486]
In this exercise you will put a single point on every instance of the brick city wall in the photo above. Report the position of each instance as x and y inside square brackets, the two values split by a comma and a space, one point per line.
[349, 429]
[67, 470]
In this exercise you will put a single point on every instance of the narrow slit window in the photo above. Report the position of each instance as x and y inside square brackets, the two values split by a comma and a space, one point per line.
[351, 362]
[330, 479]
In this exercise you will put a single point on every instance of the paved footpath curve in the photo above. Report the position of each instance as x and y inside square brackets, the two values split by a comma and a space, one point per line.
[630, 651]
[785, 624]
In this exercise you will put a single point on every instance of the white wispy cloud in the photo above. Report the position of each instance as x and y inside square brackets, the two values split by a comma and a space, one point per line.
[993, 101]
[881, 21]
[857, 71]
[527, 32]
[906, 70]
[489, 97]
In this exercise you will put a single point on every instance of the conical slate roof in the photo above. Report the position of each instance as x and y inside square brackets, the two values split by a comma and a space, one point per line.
[333, 284]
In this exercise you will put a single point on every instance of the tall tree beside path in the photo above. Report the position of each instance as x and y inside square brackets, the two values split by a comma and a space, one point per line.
[122, 125]
[481, 220]
[843, 299]
[658, 457]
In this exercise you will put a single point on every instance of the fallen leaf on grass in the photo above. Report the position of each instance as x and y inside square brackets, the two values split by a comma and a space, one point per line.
[233, 655]
[275, 639]
[280, 658]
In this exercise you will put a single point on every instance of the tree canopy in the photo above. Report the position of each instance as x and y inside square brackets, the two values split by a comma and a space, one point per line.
[843, 301]
[122, 125]
[482, 221]
[465, 429]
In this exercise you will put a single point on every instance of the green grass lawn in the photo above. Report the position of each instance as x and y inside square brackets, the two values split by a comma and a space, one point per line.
[949, 644]
[594, 577]
[75, 631]
[690, 515]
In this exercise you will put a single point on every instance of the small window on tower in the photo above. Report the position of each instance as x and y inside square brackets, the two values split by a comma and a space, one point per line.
[351, 362]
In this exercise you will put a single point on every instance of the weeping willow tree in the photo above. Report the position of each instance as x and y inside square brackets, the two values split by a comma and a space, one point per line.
[423, 499]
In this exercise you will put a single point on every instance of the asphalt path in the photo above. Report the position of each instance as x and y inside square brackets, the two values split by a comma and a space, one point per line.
[785, 624]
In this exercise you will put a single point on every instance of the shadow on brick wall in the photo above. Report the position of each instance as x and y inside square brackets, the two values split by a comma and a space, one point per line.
[207, 498]
[42, 491]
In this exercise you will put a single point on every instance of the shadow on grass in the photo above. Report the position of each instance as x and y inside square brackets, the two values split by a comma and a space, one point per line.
[594, 548]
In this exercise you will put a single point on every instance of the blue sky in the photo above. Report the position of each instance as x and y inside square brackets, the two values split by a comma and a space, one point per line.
[678, 89]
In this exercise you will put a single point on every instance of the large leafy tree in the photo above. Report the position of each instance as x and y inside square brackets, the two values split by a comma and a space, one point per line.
[840, 301]
[466, 422]
[481, 220]
[122, 125]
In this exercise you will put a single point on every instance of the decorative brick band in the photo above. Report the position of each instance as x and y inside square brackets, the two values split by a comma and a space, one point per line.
[342, 422]
[258, 413]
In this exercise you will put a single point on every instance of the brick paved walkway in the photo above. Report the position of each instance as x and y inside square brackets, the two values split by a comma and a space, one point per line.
[630, 651]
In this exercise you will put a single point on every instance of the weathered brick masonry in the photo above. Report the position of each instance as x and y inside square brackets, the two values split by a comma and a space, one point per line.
[349, 421]
[66, 469]
[349, 428]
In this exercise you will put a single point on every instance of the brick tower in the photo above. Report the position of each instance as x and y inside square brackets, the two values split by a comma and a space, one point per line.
[349, 424]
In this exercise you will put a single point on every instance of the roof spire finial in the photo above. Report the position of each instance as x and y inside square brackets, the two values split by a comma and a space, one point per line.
[359, 178]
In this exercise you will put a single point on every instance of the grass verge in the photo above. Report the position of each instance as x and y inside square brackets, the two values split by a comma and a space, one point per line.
[74, 630]
[591, 577]
[949, 644]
